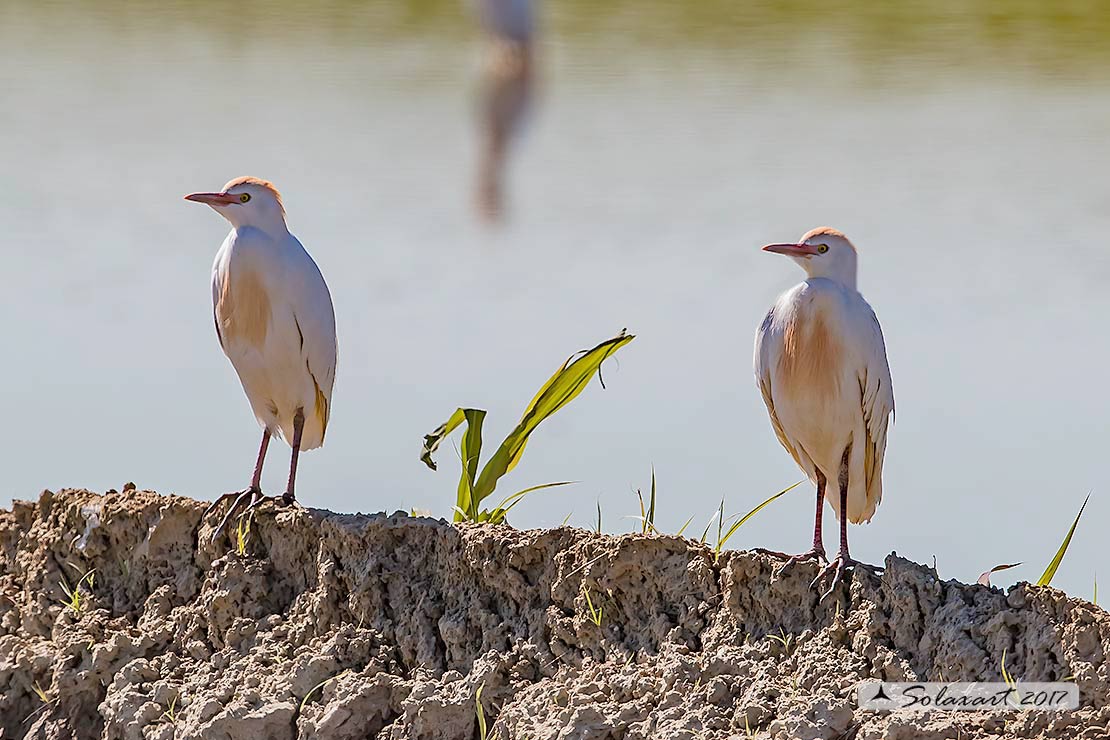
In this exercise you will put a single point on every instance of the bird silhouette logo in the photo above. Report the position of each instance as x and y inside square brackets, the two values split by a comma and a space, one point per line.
[880, 695]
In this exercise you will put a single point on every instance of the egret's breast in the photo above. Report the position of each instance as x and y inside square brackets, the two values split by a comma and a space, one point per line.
[812, 355]
[243, 309]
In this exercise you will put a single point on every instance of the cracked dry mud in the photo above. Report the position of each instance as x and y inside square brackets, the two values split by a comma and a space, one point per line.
[341, 626]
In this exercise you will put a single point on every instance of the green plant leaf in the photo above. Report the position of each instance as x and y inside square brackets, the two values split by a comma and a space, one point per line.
[432, 441]
[470, 452]
[1050, 571]
[651, 506]
[559, 390]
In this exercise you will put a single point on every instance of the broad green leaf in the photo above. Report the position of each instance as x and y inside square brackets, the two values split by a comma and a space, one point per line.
[431, 441]
[1050, 571]
[470, 452]
[559, 390]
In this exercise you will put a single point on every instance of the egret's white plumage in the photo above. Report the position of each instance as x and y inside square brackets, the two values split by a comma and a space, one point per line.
[821, 366]
[274, 316]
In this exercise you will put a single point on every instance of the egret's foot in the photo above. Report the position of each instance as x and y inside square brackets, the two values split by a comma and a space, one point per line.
[290, 500]
[239, 496]
[839, 565]
[258, 500]
[816, 553]
[772, 553]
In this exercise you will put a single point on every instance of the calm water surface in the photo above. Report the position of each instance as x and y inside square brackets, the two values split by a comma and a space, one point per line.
[964, 153]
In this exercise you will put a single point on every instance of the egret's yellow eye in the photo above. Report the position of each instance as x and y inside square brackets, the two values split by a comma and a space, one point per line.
[822, 248]
[247, 196]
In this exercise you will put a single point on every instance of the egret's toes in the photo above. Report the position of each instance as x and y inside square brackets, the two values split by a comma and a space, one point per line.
[240, 496]
[817, 554]
[839, 566]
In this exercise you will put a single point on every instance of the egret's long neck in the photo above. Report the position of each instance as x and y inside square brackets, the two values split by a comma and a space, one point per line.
[842, 270]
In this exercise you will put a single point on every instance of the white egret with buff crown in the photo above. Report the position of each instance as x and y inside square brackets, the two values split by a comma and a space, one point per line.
[275, 322]
[820, 363]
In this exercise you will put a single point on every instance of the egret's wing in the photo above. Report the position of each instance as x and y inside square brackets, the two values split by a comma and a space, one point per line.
[763, 380]
[218, 278]
[314, 317]
[877, 398]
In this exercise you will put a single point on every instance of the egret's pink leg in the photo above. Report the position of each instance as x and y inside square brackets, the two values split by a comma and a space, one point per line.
[817, 552]
[843, 559]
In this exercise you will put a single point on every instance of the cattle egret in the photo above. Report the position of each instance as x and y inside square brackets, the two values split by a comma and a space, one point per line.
[821, 365]
[275, 322]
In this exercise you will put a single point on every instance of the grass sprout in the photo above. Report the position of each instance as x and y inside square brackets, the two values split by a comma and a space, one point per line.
[783, 639]
[722, 539]
[73, 599]
[318, 687]
[475, 486]
[1050, 571]
[243, 533]
[480, 712]
[40, 693]
[171, 711]
[647, 516]
[594, 613]
[599, 516]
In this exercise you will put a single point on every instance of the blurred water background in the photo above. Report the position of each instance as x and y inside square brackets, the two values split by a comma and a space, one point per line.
[961, 145]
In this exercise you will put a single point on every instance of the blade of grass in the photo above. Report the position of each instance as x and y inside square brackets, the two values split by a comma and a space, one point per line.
[599, 516]
[501, 510]
[651, 506]
[480, 712]
[1050, 571]
[985, 578]
[684, 526]
[756, 510]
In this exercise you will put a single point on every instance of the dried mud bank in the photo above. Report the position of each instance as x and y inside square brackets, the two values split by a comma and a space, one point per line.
[340, 626]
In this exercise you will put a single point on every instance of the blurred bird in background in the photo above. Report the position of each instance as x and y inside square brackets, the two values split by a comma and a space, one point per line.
[507, 83]
[820, 363]
[275, 322]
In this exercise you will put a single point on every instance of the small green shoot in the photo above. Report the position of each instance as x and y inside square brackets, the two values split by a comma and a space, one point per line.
[647, 516]
[599, 516]
[560, 389]
[721, 540]
[73, 599]
[595, 614]
[1094, 597]
[1050, 571]
[242, 534]
[717, 515]
[684, 526]
[171, 711]
[566, 519]
[40, 693]
[783, 639]
[318, 687]
[480, 712]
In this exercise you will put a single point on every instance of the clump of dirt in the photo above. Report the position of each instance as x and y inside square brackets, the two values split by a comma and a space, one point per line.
[322, 625]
